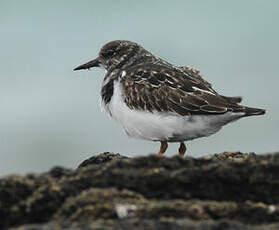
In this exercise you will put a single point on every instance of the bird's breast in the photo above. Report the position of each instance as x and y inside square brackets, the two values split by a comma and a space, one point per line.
[107, 91]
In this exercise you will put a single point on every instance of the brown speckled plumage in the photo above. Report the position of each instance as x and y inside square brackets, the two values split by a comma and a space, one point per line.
[153, 84]
[146, 83]
[165, 89]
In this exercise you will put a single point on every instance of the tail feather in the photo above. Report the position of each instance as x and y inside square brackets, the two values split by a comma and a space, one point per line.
[253, 111]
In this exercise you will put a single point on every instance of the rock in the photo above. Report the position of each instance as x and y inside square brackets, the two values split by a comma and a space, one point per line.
[150, 224]
[230, 190]
[102, 158]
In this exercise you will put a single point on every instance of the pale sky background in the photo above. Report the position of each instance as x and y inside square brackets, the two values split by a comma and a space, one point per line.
[50, 115]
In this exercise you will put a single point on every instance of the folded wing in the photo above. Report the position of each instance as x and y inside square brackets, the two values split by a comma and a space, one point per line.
[179, 90]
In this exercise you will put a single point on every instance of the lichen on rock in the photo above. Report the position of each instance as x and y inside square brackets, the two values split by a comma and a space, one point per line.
[229, 190]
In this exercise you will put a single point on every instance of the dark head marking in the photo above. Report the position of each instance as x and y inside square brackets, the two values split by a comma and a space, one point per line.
[115, 54]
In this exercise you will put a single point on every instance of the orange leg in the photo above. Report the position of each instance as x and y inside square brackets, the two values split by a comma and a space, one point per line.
[163, 148]
[182, 149]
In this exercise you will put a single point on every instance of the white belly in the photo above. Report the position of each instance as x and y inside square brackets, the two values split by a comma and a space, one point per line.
[158, 126]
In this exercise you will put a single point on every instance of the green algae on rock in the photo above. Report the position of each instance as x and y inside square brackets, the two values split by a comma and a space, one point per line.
[236, 190]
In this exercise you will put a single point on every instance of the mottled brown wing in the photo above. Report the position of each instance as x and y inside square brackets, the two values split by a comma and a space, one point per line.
[166, 89]
[196, 73]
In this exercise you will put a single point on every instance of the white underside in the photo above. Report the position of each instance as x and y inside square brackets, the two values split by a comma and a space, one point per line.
[158, 126]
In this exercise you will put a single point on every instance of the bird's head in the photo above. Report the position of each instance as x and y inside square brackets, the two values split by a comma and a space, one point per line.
[115, 54]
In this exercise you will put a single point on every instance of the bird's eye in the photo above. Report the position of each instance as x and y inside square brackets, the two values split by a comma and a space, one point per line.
[108, 53]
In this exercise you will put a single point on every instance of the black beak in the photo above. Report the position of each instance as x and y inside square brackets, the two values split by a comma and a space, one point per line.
[90, 64]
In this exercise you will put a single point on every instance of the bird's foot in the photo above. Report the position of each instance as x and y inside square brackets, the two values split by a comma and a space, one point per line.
[182, 149]
[163, 148]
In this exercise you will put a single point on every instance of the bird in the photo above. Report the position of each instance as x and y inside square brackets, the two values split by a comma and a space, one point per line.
[155, 100]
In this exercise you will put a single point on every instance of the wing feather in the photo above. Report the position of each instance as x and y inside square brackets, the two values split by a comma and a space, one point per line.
[165, 89]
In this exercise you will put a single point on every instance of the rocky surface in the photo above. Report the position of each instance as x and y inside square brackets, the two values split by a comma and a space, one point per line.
[230, 190]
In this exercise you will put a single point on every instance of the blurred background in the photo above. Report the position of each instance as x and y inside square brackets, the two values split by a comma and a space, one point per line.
[50, 115]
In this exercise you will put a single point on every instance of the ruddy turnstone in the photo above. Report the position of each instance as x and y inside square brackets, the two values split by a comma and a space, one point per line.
[155, 100]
